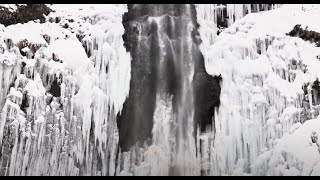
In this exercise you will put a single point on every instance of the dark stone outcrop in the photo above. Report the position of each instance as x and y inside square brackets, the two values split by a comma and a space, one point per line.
[135, 122]
[262, 7]
[207, 88]
[24, 14]
[305, 34]
[55, 89]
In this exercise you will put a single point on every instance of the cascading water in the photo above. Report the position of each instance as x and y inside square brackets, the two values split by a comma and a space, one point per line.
[168, 75]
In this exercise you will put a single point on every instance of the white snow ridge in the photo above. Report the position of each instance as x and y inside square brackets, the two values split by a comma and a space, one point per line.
[64, 82]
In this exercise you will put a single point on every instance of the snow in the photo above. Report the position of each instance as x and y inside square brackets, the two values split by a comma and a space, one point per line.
[297, 151]
[35, 88]
[123, 173]
[207, 17]
[10, 7]
[247, 67]
[65, 51]
[33, 32]
[15, 93]
[8, 58]
[288, 16]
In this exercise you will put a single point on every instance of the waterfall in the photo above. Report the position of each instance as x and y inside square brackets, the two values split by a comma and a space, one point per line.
[170, 81]
[164, 35]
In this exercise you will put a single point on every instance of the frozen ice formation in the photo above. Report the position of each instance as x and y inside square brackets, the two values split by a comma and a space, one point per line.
[64, 82]
[268, 96]
[58, 99]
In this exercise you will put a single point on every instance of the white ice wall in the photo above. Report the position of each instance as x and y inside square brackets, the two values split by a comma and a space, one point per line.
[54, 138]
[263, 73]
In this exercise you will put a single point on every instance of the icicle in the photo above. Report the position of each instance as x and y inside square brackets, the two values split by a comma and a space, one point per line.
[309, 88]
[60, 103]
[260, 99]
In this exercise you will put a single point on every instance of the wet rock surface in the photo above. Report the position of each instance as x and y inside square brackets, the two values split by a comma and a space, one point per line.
[24, 14]
[155, 50]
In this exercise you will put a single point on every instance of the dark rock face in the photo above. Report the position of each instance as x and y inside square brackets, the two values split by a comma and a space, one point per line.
[135, 122]
[55, 89]
[261, 7]
[157, 37]
[207, 89]
[24, 14]
[316, 92]
[305, 34]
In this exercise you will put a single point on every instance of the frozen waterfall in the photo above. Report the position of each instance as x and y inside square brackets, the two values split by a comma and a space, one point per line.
[167, 89]
[66, 80]
[267, 94]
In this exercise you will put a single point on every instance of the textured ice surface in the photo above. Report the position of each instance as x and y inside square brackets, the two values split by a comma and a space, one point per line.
[58, 101]
[264, 72]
